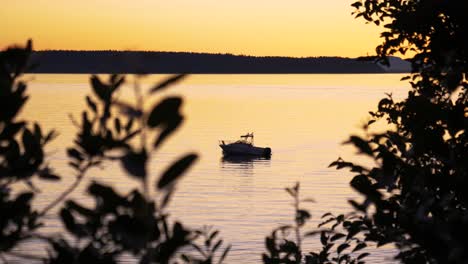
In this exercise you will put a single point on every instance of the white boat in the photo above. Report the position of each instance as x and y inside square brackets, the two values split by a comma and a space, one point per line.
[244, 147]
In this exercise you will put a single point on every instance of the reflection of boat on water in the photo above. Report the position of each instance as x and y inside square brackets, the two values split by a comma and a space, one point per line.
[243, 159]
[244, 147]
[241, 165]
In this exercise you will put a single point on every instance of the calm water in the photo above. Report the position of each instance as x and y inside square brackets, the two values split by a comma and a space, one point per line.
[303, 118]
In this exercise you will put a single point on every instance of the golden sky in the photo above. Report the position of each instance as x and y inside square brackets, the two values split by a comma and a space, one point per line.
[254, 27]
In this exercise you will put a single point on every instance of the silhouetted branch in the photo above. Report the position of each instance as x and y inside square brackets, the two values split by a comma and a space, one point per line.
[69, 190]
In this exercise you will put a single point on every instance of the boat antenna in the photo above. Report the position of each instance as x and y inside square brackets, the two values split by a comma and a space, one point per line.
[249, 135]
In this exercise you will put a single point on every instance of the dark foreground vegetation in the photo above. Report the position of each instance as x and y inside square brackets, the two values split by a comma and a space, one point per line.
[109, 130]
[183, 62]
[414, 197]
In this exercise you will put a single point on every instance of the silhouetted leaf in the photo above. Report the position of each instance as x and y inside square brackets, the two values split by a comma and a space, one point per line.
[74, 165]
[37, 131]
[363, 255]
[302, 216]
[357, 206]
[71, 205]
[91, 104]
[361, 144]
[109, 199]
[176, 170]
[75, 154]
[100, 89]
[337, 236]
[290, 191]
[129, 110]
[360, 246]
[165, 111]
[213, 235]
[323, 238]
[50, 136]
[28, 139]
[356, 4]
[342, 247]
[217, 245]
[116, 80]
[70, 224]
[225, 253]
[166, 83]
[327, 214]
[135, 163]
[11, 130]
[327, 221]
[23, 199]
[362, 184]
[47, 174]
[168, 130]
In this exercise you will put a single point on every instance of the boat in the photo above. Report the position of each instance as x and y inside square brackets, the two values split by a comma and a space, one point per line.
[244, 147]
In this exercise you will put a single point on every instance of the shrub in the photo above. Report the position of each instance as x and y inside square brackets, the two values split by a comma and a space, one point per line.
[109, 129]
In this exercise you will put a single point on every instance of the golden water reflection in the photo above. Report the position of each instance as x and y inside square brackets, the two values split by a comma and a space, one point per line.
[303, 118]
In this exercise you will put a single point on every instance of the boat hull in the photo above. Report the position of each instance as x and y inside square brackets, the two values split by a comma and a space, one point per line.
[245, 150]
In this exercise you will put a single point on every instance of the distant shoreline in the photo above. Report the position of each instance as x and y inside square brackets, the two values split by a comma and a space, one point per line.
[134, 62]
[209, 73]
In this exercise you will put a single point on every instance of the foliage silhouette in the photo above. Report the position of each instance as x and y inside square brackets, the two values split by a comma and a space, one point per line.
[22, 155]
[110, 130]
[418, 187]
[415, 196]
[337, 237]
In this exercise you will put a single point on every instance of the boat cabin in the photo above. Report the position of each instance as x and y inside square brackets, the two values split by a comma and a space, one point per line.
[247, 139]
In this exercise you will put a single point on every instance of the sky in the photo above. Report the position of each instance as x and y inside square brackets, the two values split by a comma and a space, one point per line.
[299, 28]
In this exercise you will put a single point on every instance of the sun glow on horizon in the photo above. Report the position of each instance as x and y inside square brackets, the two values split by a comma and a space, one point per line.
[303, 28]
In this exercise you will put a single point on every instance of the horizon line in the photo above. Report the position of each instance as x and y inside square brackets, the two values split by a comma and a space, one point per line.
[202, 53]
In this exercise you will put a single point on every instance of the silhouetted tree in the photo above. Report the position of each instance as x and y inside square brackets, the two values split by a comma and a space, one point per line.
[60, 61]
[110, 130]
[416, 195]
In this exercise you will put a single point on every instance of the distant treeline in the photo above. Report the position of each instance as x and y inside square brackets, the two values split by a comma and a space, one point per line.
[184, 62]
